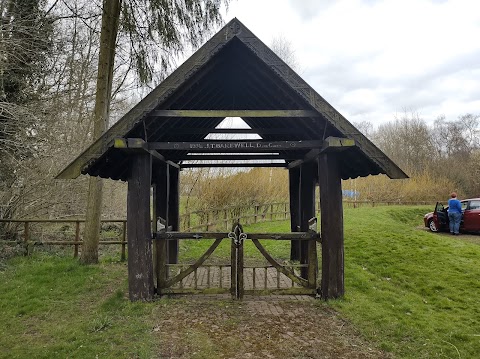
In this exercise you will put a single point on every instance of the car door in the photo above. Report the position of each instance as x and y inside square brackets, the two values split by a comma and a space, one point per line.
[471, 216]
[440, 216]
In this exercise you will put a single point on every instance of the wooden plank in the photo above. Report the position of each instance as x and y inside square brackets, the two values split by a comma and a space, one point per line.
[294, 190]
[233, 165]
[136, 145]
[124, 241]
[297, 236]
[77, 238]
[338, 144]
[191, 235]
[310, 156]
[240, 281]
[289, 273]
[233, 269]
[140, 265]
[234, 113]
[231, 157]
[160, 180]
[308, 177]
[331, 226]
[235, 146]
[331, 144]
[183, 274]
[173, 212]
[258, 131]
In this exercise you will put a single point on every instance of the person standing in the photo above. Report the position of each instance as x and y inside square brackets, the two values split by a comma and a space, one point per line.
[454, 214]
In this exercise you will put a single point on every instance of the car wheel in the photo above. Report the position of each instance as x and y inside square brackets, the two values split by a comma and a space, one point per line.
[432, 225]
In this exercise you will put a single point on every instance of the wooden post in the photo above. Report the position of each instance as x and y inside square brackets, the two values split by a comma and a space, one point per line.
[140, 266]
[307, 211]
[124, 236]
[237, 255]
[173, 212]
[332, 226]
[26, 238]
[294, 189]
[233, 269]
[241, 288]
[77, 238]
[161, 192]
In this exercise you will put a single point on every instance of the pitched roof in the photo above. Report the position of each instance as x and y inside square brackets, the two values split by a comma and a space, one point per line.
[234, 70]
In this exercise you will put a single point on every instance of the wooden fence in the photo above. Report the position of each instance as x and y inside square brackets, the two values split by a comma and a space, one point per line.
[68, 232]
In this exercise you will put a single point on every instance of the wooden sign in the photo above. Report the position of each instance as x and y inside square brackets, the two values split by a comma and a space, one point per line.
[234, 146]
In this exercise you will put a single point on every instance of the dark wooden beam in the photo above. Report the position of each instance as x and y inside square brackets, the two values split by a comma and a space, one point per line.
[259, 131]
[331, 226]
[308, 181]
[160, 179]
[136, 145]
[232, 165]
[294, 189]
[235, 146]
[330, 144]
[173, 218]
[230, 157]
[234, 113]
[311, 155]
[336, 144]
[140, 265]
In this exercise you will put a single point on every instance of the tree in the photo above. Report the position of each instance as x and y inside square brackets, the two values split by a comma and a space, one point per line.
[156, 31]
[25, 32]
[407, 141]
[108, 38]
[284, 49]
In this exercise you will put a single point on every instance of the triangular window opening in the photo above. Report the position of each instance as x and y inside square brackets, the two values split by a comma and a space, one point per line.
[236, 123]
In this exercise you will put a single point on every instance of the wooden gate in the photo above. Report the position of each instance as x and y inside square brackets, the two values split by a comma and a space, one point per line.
[236, 277]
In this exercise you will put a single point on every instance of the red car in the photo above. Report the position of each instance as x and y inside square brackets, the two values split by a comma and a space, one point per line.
[438, 219]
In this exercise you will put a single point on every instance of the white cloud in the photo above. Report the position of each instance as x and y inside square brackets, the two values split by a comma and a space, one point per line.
[372, 59]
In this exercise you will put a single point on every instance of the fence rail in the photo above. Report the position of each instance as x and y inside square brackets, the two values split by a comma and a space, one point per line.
[32, 232]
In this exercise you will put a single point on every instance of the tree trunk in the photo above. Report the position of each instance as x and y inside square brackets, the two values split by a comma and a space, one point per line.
[108, 38]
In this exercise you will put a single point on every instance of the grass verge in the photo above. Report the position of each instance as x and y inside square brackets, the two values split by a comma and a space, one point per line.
[412, 292]
[409, 292]
[53, 307]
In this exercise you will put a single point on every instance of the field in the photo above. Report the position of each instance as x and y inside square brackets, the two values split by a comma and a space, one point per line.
[409, 294]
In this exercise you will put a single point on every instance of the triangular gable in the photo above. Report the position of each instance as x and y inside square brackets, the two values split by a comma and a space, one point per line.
[194, 65]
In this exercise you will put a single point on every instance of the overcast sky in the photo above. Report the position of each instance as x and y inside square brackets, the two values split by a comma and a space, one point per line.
[373, 59]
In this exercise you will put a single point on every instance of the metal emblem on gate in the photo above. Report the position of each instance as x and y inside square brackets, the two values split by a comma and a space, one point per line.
[237, 234]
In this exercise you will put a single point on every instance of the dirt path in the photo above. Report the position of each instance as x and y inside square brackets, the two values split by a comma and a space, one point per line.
[266, 327]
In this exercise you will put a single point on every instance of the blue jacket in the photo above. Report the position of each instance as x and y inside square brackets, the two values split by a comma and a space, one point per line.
[454, 206]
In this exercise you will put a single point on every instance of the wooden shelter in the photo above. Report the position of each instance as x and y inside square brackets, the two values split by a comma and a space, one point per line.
[233, 75]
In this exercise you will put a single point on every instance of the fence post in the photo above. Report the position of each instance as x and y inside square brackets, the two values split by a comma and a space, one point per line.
[124, 236]
[208, 221]
[285, 210]
[77, 239]
[271, 212]
[26, 237]
[255, 213]
[225, 217]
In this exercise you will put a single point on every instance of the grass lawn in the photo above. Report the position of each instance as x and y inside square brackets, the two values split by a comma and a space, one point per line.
[412, 293]
[53, 307]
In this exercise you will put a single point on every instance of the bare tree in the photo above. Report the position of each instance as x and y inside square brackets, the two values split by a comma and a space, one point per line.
[407, 141]
[285, 50]
[157, 31]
